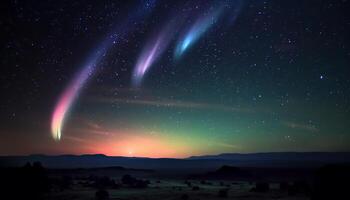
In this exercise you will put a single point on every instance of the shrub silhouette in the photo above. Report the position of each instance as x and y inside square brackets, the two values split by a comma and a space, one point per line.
[283, 186]
[184, 197]
[133, 182]
[101, 194]
[223, 193]
[104, 182]
[331, 182]
[177, 188]
[195, 188]
[28, 182]
[128, 180]
[64, 182]
[261, 187]
[141, 184]
[299, 187]
[188, 183]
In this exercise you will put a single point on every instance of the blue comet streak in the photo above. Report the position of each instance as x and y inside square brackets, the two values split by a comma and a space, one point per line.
[228, 9]
[196, 31]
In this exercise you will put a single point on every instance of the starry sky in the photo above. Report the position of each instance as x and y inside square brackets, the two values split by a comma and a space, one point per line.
[174, 78]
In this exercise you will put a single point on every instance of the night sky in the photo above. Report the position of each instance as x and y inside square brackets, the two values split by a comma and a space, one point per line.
[174, 78]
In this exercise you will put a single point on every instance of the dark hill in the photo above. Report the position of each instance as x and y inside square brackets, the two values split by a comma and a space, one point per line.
[278, 160]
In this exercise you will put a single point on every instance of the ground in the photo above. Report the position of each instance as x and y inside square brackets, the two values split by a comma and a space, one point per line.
[178, 189]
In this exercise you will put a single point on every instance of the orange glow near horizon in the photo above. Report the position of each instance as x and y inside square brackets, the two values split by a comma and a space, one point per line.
[126, 142]
[141, 146]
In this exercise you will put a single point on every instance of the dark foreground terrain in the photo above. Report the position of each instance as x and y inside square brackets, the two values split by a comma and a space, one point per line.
[191, 181]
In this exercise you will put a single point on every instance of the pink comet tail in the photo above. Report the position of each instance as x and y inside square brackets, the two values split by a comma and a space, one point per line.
[66, 100]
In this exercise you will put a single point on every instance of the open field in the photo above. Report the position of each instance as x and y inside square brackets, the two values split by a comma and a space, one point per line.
[175, 189]
[155, 179]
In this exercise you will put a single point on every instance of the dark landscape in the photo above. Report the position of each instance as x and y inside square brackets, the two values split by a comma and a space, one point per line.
[317, 175]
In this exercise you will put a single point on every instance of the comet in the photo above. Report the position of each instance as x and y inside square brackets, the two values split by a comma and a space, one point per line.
[228, 10]
[152, 51]
[66, 100]
[71, 92]
[200, 27]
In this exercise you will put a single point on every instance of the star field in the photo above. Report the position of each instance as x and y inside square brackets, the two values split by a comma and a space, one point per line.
[174, 78]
